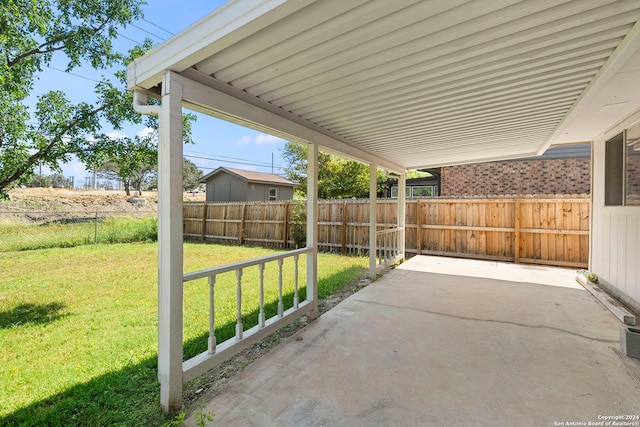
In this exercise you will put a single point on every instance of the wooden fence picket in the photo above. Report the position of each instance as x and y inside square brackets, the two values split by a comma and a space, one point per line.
[527, 229]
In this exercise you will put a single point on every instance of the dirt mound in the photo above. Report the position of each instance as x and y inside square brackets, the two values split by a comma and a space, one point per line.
[64, 200]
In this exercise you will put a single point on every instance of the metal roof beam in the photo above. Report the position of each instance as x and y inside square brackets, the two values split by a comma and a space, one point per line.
[219, 100]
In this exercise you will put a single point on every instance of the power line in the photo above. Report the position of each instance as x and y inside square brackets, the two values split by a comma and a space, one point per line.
[237, 160]
[264, 165]
[158, 26]
[128, 38]
[148, 32]
[73, 74]
[256, 163]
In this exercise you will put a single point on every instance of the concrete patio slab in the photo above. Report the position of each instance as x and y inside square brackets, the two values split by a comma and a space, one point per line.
[442, 342]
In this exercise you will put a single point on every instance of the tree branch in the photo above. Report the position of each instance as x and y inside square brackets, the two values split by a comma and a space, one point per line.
[49, 46]
[34, 158]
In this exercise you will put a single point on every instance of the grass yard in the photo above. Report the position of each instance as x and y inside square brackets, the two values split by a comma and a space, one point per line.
[20, 236]
[78, 326]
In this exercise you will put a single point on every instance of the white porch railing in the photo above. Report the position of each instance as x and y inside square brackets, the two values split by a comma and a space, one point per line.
[389, 247]
[217, 353]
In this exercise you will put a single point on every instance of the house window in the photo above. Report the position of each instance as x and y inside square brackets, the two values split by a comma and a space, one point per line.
[614, 171]
[422, 191]
[622, 169]
[273, 193]
[394, 192]
[632, 167]
[417, 191]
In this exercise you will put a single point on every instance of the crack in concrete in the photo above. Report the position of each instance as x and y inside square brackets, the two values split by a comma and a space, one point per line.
[504, 322]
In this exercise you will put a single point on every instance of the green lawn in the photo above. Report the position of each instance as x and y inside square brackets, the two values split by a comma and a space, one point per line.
[20, 236]
[78, 326]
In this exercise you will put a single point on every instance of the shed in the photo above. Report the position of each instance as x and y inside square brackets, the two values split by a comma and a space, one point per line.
[238, 185]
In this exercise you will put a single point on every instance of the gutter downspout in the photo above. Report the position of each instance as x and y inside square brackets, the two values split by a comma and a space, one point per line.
[140, 104]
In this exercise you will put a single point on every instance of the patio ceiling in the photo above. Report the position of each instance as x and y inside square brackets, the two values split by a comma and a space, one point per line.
[416, 83]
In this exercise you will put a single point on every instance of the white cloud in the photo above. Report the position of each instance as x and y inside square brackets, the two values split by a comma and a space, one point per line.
[244, 140]
[145, 132]
[116, 135]
[268, 139]
[260, 139]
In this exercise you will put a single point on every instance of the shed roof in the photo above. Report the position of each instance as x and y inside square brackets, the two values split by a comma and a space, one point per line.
[412, 83]
[251, 176]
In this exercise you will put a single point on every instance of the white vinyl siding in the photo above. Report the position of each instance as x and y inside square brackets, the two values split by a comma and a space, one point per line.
[615, 232]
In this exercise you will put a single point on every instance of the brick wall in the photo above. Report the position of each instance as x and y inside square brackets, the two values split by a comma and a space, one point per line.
[546, 176]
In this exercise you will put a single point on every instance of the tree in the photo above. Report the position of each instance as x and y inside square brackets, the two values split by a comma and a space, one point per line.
[338, 178]
[31, 32]
[130, 160]
[54, 180]
[60, 181]
[416, 174]
[190, 179]
[295, 155]
[191, 175]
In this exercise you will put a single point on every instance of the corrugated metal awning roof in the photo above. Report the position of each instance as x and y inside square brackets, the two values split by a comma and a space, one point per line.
[421, 83]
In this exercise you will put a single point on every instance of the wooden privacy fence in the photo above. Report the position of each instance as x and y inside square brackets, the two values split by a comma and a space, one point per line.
[550, 231]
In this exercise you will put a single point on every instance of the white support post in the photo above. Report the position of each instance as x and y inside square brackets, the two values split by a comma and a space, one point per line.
[170, 268]
[312, 229]
[373, 200]
[402, 192]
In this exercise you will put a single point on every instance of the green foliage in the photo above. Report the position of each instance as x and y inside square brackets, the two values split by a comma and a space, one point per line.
[134, 160]
[54, 180]
[592, 277]
[128, 230]
[416, 174]
[130, 160]
[177, 421]
[32, 31]
[298, 222]
[338, 178]
[202, 417]
[191, 175]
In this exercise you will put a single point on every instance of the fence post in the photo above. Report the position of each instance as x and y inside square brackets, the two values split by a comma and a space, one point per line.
[95, 230]
[204, 220]
[516, 233]
[241, 230]
[419, 227]
[402, 216]
[344, 227]
[373, 251]
[285, 237]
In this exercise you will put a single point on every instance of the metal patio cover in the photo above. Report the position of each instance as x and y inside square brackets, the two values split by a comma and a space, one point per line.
[415, 83]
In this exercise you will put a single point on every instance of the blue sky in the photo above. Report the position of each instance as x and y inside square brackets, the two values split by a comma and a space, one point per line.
[217, 143]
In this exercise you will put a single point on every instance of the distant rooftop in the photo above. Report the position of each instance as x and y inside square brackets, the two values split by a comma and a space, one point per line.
[564, 151]
[251, 176]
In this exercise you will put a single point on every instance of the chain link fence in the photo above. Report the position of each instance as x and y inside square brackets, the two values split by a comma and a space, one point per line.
[49, 229]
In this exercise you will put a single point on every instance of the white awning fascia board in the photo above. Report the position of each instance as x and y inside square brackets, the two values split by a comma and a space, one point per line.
[218, 100]
[221, 28]
[473, 157]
